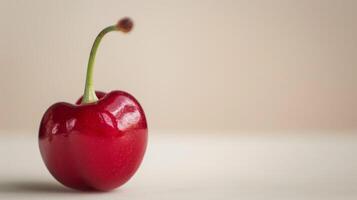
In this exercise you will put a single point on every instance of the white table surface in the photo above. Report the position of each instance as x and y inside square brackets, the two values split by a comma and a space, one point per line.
[204, 165]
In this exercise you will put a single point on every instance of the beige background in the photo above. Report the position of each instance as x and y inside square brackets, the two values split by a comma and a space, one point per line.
[258, 65]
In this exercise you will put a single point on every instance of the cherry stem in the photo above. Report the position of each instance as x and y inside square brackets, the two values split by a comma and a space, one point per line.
[89, 96]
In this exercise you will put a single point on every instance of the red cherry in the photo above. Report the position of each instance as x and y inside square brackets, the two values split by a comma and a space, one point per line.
[99, 142]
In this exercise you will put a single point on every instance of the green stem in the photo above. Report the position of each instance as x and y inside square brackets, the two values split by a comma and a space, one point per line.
[89, 92]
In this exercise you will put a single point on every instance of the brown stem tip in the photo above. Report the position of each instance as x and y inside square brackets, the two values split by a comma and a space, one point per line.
[125, 25]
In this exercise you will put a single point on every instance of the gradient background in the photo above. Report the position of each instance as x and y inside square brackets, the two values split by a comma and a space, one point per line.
[208, 65]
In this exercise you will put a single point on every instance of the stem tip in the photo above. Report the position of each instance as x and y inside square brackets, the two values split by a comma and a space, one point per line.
[125, 25]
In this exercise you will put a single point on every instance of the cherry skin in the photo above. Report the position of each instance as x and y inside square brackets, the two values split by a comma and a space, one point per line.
[96, 146]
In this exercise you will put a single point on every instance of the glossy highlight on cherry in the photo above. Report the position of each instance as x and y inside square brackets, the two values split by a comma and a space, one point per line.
[99, 142]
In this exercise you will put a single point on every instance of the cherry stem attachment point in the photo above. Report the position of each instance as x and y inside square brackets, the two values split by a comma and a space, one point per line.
[124, 25]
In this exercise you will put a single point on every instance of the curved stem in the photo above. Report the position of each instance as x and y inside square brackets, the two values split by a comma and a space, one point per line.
[124, 25]
[89, 92]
